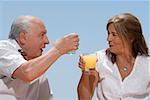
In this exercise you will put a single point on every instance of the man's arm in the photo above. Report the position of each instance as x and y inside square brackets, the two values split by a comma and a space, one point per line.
[87, 85]
[36, 67]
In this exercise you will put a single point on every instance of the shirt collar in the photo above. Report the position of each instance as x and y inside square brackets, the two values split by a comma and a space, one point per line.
[15, 44]
[18, 48]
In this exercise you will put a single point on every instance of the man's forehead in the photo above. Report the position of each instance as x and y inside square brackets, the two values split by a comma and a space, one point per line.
[40, 28]
[31, 19]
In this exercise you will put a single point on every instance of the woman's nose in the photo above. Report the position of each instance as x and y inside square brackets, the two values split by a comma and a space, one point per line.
[109, 38]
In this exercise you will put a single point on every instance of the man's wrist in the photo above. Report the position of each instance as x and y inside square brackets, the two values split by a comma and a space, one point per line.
[57, 51]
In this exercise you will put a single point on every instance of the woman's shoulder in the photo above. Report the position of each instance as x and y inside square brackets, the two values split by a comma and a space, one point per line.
[101, 54]
[143, 60]
[145, 57]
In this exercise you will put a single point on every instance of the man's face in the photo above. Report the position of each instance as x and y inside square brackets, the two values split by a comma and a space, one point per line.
[36, 40]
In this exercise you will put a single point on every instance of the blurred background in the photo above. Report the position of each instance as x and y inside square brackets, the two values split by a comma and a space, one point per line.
[86, 17]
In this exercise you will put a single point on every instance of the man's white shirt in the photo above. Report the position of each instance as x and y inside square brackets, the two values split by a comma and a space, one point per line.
[16, 89]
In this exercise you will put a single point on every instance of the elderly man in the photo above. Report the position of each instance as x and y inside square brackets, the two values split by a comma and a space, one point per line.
[22, 64]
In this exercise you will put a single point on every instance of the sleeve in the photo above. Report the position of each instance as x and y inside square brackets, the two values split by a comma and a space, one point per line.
[100, 57]
[45, 91]
[10, 60]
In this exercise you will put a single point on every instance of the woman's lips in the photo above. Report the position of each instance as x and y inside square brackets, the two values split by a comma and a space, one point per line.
[110, 45]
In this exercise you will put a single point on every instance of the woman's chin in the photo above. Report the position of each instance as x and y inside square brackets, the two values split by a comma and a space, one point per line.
[111, 50]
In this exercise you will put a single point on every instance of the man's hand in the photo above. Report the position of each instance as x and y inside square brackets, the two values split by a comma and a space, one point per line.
[68, 43]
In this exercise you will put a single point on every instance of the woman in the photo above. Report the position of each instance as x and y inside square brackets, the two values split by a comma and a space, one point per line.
[122, 70]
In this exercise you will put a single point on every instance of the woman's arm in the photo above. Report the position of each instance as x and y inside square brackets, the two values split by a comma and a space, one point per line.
[87, 85]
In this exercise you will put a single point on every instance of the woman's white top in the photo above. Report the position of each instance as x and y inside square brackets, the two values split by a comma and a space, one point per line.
[136, 86]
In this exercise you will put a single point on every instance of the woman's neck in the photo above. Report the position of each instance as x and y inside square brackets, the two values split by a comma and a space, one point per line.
[125, 58]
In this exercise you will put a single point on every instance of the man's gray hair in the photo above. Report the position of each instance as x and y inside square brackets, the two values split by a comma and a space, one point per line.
[21, 24]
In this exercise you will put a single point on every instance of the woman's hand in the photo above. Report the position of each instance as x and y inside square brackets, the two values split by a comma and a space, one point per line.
[88, 81]
[81, 62]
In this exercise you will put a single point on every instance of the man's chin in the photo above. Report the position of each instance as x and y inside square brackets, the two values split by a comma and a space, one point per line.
[37, 55]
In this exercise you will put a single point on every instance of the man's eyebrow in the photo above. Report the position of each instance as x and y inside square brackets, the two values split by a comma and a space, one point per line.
[45, 31]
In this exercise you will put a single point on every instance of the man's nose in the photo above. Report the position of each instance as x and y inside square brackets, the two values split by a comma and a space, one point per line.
[46, 41]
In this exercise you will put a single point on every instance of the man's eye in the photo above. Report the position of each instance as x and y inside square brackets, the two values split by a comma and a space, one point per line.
[42, 34]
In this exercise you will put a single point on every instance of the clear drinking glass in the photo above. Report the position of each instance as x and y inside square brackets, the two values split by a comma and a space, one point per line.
[73, 51]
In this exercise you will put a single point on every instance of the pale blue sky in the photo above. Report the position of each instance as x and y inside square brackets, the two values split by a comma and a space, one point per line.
[87, 18]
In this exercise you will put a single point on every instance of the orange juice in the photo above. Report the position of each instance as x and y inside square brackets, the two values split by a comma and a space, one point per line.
[90, 61]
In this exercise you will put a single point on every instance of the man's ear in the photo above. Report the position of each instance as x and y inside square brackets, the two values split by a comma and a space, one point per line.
[23, 37]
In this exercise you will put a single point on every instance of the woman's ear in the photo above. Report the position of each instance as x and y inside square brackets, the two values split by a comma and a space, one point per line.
[22, 37]
[132, 40]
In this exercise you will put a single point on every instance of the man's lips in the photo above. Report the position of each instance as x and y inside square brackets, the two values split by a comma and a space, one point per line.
[41, 50]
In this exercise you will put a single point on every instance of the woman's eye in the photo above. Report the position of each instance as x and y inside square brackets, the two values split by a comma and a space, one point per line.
[115, 34]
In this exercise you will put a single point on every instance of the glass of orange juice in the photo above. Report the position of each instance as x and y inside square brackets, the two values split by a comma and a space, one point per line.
[90, 62]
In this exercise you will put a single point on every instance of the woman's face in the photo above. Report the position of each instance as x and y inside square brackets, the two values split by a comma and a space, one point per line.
[115, 42]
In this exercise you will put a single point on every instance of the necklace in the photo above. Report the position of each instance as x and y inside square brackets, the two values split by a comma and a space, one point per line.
[124, 68]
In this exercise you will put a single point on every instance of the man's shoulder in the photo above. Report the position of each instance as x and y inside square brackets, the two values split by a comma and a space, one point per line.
[5, 42]
[9, 43]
